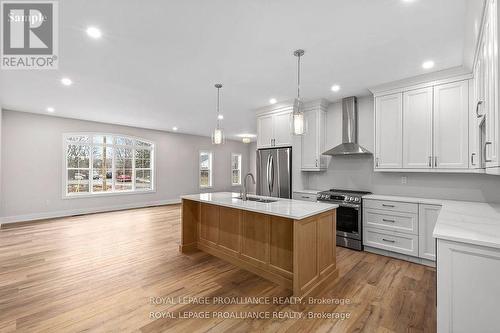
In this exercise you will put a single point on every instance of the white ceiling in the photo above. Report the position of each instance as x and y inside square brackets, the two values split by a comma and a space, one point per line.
[157, 62]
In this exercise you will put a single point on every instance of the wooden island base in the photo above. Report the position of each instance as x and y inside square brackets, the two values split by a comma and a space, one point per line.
[297, 254]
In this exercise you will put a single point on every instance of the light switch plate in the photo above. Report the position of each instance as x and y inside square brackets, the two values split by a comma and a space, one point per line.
[404, 180]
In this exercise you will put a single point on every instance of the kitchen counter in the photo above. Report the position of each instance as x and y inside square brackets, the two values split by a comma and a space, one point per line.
[476, 223]
[288, 208]
[289, 242]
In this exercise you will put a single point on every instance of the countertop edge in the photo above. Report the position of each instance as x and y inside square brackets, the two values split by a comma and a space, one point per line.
[443, 220]
[251, 209]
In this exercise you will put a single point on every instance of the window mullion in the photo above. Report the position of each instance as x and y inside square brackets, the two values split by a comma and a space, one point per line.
[133, 168]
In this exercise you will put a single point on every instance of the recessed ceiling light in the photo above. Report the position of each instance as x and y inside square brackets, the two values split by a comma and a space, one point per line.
[50, 109]
[94, 32]
[66, 81]
[273, 101]
[428, 64]
[220, 117]
[335, 88]
[174, 128]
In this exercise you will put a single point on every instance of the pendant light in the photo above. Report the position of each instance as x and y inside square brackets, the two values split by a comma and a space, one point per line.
[299, 126]
[218, 133]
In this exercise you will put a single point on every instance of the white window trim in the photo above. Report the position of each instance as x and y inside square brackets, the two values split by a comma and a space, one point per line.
[241, 168]
[211, 173]
[64, 185]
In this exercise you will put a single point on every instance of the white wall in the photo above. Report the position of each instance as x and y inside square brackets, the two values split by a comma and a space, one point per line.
[32, 166]
[356, 172]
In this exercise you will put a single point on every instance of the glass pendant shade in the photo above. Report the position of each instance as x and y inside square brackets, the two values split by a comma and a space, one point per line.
[218, 134]
[218, 137]
[298, 119]
[299, 122]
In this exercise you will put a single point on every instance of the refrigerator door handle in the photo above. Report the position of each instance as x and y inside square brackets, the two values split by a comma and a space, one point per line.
[268, 173]
[271, 172]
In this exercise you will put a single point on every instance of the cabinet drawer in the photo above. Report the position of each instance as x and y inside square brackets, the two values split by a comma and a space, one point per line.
[395, 206]
[304, 196]
[391, 241]
[393, 221]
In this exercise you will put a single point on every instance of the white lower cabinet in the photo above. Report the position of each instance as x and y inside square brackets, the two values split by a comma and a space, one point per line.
[401, 228]
[391, 241]
[451, 125]
[427, 217]
[468, 288]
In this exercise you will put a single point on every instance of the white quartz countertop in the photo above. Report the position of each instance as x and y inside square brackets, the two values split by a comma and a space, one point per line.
[289, 208]
[468, 222]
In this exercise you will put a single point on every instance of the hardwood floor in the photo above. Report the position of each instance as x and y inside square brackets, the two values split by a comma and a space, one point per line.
[98, 273]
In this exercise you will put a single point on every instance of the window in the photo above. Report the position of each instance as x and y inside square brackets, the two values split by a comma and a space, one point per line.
[236, 169]
[103, 163]
[206, 177]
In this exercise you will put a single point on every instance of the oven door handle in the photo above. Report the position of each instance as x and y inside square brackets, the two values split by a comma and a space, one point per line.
[349, 206]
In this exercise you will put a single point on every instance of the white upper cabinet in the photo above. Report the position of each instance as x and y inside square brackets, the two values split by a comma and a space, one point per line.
[451, 125]
[489, 50]
[313, 141]
[417, 128]
[273, 129]
[389, 131]
[424, 127]
[282, 129]
[265, 134]
[484, 120]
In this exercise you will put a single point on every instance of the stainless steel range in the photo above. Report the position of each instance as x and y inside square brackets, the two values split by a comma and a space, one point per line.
[349, 218]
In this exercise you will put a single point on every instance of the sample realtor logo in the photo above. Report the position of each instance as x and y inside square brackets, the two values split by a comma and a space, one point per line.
[29, 35]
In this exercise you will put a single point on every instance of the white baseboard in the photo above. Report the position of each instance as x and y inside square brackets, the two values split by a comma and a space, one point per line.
[80, 211]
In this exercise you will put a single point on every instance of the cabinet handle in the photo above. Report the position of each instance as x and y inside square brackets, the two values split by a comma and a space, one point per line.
[477, 108]
[388, 240]
[386, 220]
[435, 161]
[430, 161]
[376, 162]
[485, 151]
[390, 206]
[472, 159]
[316, 163]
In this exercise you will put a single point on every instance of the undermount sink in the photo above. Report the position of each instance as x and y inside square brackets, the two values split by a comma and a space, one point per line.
[258, 199]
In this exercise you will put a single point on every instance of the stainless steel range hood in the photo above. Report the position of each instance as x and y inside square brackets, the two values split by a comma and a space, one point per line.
[349, 144]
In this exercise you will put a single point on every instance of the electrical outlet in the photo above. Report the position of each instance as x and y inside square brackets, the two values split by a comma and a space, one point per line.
[404, 180]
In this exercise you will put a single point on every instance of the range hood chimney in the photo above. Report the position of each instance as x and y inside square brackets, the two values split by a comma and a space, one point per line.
[349, 144]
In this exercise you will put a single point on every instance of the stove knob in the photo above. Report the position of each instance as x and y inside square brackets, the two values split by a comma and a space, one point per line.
[351, 198]
[356, 199]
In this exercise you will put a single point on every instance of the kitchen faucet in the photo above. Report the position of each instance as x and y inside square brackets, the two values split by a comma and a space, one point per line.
[244, 194]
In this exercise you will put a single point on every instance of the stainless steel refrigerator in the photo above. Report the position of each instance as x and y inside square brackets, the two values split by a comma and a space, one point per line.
[274, 172]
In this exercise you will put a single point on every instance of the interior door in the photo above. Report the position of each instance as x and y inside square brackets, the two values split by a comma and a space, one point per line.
[389, 131]
[451, 125]
[417, 129]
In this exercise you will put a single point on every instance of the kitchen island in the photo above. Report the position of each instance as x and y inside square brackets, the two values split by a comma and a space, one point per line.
[289, 242]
